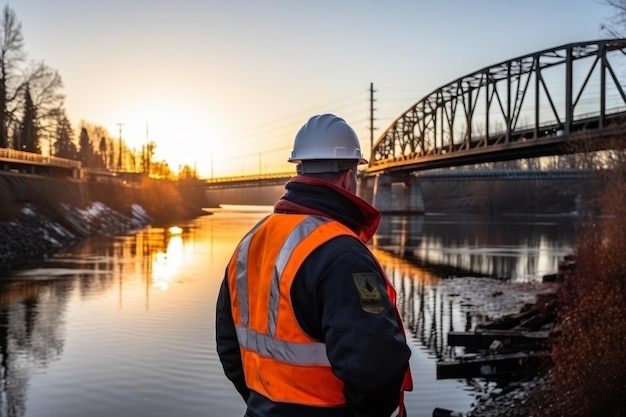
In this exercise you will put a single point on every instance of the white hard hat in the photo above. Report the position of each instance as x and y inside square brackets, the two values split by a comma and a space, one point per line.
[326, 137]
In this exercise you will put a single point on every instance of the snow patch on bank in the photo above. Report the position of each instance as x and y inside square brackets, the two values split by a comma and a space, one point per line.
[35, 236]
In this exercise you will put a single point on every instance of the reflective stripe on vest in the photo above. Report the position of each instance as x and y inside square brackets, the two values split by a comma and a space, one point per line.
[280, 361]
[266, 344]
[242, 277]
[302, 230]
[284, 365]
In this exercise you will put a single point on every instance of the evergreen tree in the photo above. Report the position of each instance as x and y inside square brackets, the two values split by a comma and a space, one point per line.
[28, 136]
[85, 150]
[103, 152]
[93, 145]
[111, 156]
[64, 147]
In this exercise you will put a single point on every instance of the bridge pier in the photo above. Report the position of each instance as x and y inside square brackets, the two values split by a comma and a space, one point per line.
[365, 189]
[413, 195]
[382, 193]
[391, 194]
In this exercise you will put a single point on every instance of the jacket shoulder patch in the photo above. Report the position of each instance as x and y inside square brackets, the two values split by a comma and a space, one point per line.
[369, 294]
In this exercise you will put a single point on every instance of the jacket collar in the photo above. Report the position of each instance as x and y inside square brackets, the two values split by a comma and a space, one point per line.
[306, 195]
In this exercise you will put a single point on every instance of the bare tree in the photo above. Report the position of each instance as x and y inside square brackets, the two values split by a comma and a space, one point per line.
[45, 85]
[11, 56]
[42, 82]
[616, 26]
[147, 157]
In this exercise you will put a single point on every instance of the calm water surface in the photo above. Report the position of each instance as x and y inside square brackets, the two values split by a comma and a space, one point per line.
[125, 326]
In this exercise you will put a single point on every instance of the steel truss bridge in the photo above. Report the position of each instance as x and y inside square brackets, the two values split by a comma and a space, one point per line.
[568, 99]
[548, 102]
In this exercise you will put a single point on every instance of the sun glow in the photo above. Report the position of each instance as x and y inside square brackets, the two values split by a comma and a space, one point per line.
[189, 133]
[184, 134]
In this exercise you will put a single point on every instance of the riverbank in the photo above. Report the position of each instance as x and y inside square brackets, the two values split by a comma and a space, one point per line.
[501, 304]
[33, 236]
[40, 216]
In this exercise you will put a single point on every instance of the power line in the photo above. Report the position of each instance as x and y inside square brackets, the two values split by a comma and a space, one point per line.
[296, 116]
[277, 135]
[284, 128]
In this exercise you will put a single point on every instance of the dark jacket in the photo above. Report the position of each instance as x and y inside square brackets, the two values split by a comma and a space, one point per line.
[367, 351]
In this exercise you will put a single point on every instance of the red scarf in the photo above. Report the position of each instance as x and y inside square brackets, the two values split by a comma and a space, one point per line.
[366, 227]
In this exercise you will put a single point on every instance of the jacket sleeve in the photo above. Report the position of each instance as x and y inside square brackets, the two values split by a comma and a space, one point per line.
[365, 345]
[227, 344]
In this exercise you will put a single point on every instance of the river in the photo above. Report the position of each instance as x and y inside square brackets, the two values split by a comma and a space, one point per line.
[124, 326]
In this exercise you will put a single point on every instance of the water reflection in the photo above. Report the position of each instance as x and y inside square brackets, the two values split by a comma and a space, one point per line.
[399, 231]
[513, 248]
[166, 264]
[431, 306]
[436, 265]
[419, 302]
[34, 303]
[123, 326]
[28, 338]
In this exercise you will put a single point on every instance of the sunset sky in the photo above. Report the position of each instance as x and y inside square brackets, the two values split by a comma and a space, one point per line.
[223, 86]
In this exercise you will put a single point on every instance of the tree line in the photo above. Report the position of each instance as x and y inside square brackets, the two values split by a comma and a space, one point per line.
[32, 114]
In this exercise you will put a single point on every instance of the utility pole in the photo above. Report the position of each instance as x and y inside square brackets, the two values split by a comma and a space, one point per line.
[371, 120]
[119, 160]
[147, 156]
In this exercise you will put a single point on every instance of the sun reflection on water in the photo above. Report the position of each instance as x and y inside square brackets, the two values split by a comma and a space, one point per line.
[166, 264]
[175, 230]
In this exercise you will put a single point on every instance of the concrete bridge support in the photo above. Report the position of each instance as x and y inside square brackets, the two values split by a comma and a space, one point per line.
[393, 195]
[382, 193]
[413, 195]
[365, 188]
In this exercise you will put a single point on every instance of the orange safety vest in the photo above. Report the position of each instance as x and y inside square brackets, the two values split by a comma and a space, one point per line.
[280, 361]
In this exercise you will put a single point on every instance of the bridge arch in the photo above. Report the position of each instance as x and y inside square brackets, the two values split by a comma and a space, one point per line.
[527, 106]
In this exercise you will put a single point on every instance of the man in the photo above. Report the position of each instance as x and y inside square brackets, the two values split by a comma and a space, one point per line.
[306, 320]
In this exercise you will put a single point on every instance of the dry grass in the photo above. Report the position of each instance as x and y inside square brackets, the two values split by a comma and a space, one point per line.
[588, 378]
[589, 375]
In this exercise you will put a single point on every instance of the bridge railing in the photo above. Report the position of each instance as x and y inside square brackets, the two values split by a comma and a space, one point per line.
[250, 178]
[31, 157]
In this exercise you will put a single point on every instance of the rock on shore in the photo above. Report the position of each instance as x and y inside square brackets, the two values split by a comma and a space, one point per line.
[511, 400]
[40, 215]
[33, 236]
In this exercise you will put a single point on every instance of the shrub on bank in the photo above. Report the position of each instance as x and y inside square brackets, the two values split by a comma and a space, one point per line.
[589, 373]
[162, 198]
[171, 201]
[165, 201]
